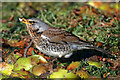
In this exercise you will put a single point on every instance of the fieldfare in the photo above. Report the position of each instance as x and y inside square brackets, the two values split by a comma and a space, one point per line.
[54, 41]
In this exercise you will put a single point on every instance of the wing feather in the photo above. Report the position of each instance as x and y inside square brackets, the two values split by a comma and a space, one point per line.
[59, 36]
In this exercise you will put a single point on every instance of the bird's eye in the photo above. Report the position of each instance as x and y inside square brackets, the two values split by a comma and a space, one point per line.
[32, 22]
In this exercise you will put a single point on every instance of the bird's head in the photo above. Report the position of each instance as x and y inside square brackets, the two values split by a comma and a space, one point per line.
[31, 21]
[35, 23]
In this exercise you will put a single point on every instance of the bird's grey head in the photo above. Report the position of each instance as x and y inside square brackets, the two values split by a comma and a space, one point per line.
[35, 23]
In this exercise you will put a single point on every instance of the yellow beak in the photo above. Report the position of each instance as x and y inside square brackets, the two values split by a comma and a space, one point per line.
[23, 20]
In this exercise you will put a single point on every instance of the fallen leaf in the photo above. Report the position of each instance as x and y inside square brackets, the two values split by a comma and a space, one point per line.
[29, 52]
[82, 74]
[62, 73]
[10, 24]
[95, 4]
[39, 69]
[12, 58]
[97, 64]
[73, 65]
[21, 44]
[6, 68]
[29, 62]
[21, 74]
[4, 21]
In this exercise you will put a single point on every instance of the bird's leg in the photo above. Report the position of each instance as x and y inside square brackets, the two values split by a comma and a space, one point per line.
[26, 49]
[52, 59]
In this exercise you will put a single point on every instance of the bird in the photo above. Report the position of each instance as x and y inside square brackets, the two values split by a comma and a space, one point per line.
[54, 41]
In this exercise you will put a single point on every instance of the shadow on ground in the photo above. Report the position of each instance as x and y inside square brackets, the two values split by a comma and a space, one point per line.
[83, 54]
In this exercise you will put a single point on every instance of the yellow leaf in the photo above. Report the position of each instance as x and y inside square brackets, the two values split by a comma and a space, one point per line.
[73, 65]
[62, 73]
[5, 68]
[82, 74]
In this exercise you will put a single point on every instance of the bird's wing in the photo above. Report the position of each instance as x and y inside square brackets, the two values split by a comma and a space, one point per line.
[60, 36]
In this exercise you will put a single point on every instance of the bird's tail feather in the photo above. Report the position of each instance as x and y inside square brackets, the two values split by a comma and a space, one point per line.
[99, 49]
[92, 47]
[87, 46]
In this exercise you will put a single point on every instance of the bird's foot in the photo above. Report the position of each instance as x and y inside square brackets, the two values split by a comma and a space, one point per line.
[26, 49]
[51, 60]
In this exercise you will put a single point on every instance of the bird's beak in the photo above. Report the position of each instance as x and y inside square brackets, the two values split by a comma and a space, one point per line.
[23, 20]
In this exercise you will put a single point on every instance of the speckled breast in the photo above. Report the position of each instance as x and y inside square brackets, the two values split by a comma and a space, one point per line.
[53, 49]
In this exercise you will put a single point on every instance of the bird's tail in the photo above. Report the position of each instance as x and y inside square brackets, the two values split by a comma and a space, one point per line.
[89, 46]
[99, 49]
[92, 47]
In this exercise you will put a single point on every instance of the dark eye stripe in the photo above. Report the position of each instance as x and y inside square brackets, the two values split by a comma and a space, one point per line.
[32, 22]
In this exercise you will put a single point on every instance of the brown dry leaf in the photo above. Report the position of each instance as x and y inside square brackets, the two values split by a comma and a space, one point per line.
[21, 44]
[76, 12]
[4, 54]
[4, 21]
[46, 57]
[12, 43]
[94, 58]
[40, 53]
[100, 58]
[10, 24]
[99, 44]
[2, 65]
[88, 11]
[116, 35]
[29, 52]
[73, 65]
[20, 51]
